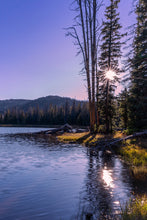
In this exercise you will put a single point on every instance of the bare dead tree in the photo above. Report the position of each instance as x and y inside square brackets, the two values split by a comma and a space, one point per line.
[85, 35]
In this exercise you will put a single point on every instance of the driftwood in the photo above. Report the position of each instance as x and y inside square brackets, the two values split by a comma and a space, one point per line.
[138, 134]
[62, 129]
[108, 143]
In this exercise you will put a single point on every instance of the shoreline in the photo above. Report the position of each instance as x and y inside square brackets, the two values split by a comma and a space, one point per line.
[28, 126]
[38, 126]
[133, 152]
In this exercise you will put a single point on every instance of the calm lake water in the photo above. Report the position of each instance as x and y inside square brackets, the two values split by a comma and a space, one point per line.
[40, 179]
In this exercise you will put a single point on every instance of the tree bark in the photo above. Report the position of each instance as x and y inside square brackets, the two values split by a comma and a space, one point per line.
[86, 21]
[107, 103]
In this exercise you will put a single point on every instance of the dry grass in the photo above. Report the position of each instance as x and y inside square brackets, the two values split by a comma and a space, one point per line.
[134, 153]
[135, 209]
[71, 137]
[85, 138]
[118, 134]
[140, 172]
[92, 139]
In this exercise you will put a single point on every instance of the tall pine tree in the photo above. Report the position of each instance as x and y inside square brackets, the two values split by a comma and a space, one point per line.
[138, 73]
[109, 62]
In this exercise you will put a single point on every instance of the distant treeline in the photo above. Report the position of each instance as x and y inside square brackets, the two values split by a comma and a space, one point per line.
[53, 115]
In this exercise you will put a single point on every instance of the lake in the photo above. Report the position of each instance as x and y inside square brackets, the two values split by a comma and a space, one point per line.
[41, 179]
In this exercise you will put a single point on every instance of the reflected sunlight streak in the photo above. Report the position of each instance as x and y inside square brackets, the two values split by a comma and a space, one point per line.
[106, 175]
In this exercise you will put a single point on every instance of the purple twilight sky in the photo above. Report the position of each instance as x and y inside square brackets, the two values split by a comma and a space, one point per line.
[36, 59]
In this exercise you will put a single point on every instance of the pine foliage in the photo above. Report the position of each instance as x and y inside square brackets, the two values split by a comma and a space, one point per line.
[53, 115]
[123, 108]
[109, 60]
[138, 73]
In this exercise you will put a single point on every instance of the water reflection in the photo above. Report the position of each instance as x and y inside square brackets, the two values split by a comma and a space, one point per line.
[107, 177]
[31, 138]
[42, 179]
[104, 188]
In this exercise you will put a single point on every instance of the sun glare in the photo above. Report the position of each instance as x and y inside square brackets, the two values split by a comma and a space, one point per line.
[110, 74]
[107, 178]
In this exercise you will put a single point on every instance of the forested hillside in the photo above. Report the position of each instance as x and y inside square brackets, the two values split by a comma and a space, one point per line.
[50, 110]
[42, 103]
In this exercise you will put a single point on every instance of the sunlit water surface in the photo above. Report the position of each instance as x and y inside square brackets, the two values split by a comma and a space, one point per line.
[40, 179]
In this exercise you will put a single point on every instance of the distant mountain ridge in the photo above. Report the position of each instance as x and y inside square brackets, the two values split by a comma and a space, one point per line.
[43, 103]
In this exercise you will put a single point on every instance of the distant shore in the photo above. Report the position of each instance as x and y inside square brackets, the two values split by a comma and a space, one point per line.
[37, 126]
[32, 126]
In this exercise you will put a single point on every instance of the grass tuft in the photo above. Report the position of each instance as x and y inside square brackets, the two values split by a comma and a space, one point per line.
[135, 209]
[85, 138]
[71, 137]
[134, 153]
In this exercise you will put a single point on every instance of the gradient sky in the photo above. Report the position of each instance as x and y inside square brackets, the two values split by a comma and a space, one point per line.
[36, 59]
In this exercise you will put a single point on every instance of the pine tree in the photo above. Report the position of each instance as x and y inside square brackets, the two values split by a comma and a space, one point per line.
[138, 73]
[66, 112]
[109, 62]
[73, 112]
[123, 109]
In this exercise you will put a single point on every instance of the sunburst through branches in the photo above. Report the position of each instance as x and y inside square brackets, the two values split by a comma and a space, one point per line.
[110, 74]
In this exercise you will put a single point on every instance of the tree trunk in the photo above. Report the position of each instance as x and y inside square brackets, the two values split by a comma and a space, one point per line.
[97, 99]
[92, 117]
[107, 103]
[87, 21]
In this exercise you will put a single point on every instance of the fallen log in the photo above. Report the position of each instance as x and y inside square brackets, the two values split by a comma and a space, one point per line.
[138, 134]
[62, 129]
[109, 143]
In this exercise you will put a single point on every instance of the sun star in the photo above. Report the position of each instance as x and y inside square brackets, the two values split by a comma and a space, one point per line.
[110, 74]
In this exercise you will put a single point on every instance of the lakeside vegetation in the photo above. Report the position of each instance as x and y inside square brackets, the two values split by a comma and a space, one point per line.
[135, 209]
[83, 138]
[134, 151]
